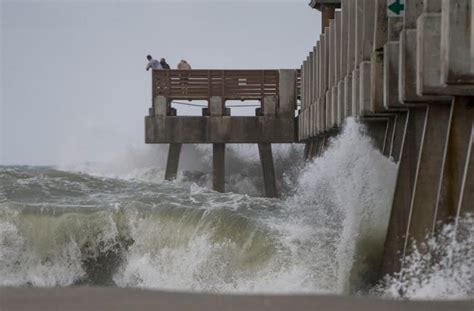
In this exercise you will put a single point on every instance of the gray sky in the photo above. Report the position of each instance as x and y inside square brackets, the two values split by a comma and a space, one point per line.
[73, 79]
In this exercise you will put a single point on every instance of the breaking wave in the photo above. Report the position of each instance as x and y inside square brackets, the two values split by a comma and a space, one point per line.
[121, 225]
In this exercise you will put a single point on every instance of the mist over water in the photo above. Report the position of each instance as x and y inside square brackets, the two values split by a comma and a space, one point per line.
[120, 224]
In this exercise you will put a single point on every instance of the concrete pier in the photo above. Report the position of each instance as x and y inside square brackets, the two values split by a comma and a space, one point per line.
[395, 241]
[409, 78]
[274, 122]
[218, 167]
[266, 157]
[454, 190]
[430, 165]
[173, 161]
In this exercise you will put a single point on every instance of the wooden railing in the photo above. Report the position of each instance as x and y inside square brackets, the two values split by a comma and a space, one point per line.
[203, 84]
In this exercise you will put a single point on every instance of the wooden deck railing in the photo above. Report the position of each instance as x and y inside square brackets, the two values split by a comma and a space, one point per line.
[203, 84]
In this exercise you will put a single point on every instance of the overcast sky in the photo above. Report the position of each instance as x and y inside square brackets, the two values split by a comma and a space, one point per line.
[73, 79]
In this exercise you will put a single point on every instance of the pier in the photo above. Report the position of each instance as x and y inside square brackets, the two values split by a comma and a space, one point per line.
[274, 121]
[404, 69]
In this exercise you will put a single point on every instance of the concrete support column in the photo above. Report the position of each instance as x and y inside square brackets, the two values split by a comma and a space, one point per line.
[287, 93]
[307, 151]
[398, 135]
[455, 182]
[173, 161]
[430, 165]
[218, 164]
[161, 106]
[402, 197]
[266, 157]
[387, 148]
[355, 93]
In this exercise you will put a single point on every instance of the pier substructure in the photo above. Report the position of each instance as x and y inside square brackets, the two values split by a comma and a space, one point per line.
[266, 157]
[430, 166]
[173, 161]
[218, 167]
[456, 195]
[395, 241]
[274, 120]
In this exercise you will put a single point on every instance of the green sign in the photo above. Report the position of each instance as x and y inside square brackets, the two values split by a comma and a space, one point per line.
[395, 8]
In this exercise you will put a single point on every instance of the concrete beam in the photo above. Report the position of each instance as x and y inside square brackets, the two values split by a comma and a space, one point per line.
[195, 130]
[428, 76]
[218, 165]
[172, 163]
[456, 57]
[408, 70]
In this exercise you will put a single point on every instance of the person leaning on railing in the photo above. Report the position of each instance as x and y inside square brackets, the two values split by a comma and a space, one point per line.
[153, 63]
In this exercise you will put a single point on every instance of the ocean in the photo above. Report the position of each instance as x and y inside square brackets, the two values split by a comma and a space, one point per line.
[119, 224]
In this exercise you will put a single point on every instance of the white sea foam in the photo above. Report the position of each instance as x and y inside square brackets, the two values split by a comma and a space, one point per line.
[445, 270]
[338, 214]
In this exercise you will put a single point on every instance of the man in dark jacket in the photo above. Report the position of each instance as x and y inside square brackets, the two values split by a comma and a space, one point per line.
[164, 64]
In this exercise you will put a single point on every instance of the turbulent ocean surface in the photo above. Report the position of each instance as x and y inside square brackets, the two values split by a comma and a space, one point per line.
[121, 225]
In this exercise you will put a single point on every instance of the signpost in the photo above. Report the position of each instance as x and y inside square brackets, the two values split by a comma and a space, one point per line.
[395, 8]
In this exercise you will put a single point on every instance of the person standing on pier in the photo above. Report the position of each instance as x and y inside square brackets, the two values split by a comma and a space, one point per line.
[164, 64]
[153, 63]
